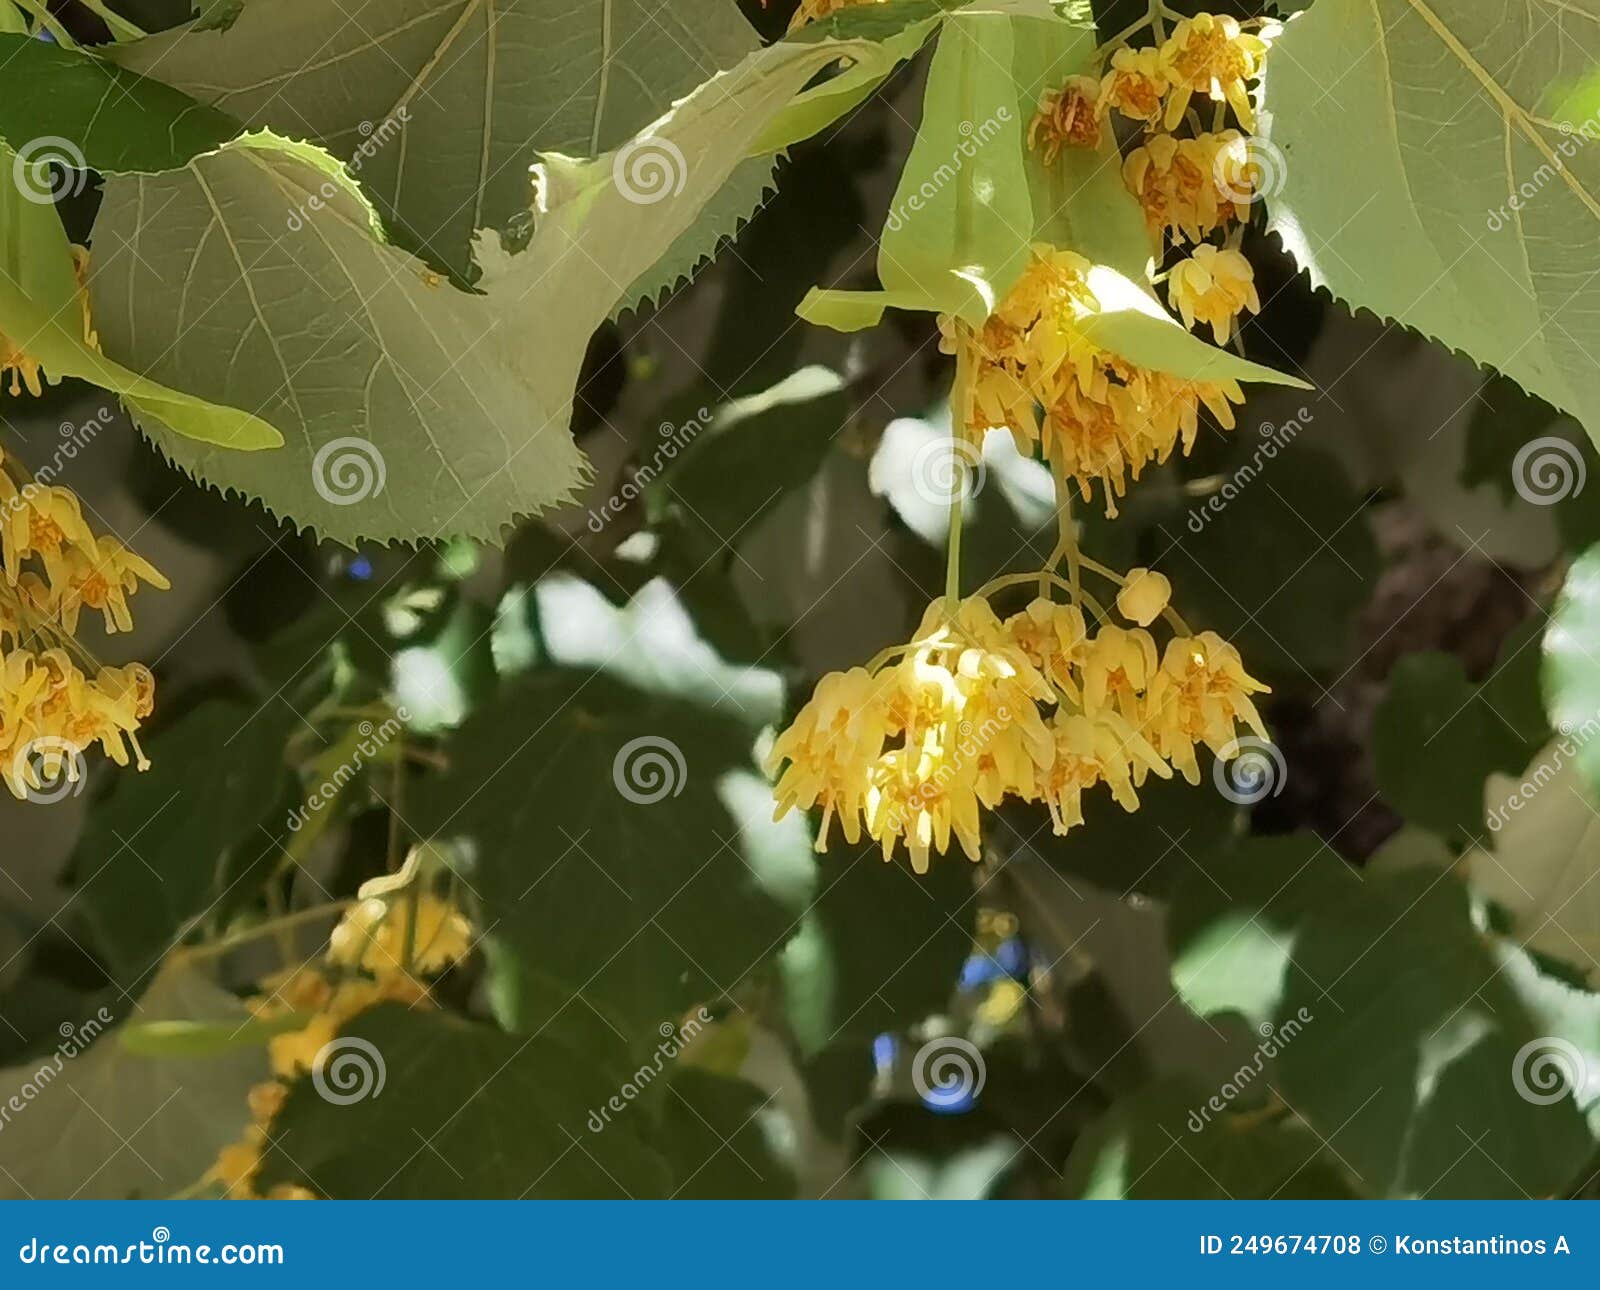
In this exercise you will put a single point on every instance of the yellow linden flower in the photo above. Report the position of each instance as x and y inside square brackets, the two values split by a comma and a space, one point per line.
[1211, 55]
[1100, 750]
[1197, 697]
[235, 1169]
[372, 935]
[1214, 286]
[1175, 183]
[1055, 639]
[1067, 118]
[1120, 664]
[1144, 596]
[832, 741]
[294, 1052]
[1135, 85]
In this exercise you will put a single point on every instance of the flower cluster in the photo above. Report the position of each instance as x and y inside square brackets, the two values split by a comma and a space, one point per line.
[1200, 183]
[1032, 369]
[1036, 707]
[51, 710]
[365, 965]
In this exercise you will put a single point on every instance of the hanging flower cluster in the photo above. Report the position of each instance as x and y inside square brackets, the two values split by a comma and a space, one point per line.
[367, 963]
[1037, 707]
[1195, 179]
[1065, 695]
[1032, 369]
[51, 709]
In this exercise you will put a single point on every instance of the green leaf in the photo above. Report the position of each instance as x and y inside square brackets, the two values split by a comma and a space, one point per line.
[106, 1123]
[442, 108]
[1164, 1142]
[1539, 861]
[1447, 1021]
[42, 310]
[610, 856]
[1572, 659]
[362, 355]
[771, 443]
[508, 1115]
[1444, 184]
[1436, 737]
[179, 842]
[724, 1139]
[93, 112]
[1288, 604]
[1144, 852]
[879, 950]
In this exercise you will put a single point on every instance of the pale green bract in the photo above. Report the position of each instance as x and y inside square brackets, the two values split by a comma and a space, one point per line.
[255, 276]
[975, 196]
[1433, 166]
[441, 106]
